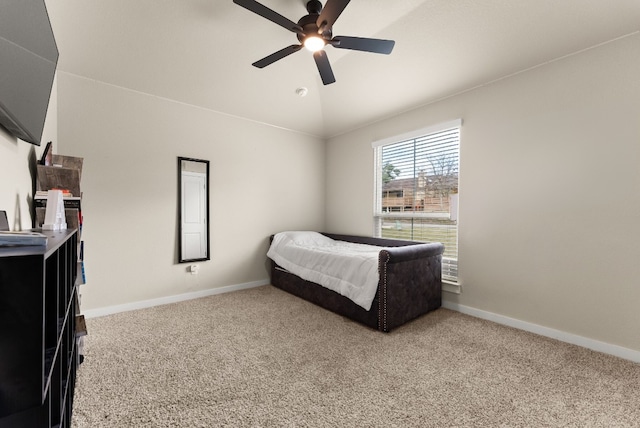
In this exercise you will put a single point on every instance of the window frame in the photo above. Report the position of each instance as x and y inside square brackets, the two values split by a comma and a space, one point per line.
[450, 285]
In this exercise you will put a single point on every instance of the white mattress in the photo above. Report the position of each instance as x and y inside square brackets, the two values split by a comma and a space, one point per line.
[344, 267]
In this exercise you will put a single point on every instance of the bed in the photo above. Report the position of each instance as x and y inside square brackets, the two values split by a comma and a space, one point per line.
[408, 282]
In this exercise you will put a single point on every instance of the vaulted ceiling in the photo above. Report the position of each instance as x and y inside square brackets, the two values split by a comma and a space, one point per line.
[200, 52]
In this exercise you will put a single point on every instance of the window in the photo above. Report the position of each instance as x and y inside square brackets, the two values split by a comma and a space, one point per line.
[416, 194]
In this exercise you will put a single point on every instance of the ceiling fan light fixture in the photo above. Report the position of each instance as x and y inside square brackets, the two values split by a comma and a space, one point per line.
[314, 43]
[314, 31]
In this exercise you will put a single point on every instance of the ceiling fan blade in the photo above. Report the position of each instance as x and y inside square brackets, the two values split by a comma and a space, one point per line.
[330, 13]
[322, 61]
[276, 56]
[269, 14]
[380, 46]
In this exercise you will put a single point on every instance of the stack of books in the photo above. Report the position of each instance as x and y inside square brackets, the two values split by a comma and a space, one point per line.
[8, 239]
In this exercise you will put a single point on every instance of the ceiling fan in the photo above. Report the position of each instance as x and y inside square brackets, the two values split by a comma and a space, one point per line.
[314, 32]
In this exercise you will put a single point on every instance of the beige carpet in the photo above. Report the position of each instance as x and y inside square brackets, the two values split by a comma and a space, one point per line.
[264, 358]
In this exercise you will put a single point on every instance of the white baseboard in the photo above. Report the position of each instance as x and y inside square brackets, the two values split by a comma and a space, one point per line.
[109, 310]
[595, 345]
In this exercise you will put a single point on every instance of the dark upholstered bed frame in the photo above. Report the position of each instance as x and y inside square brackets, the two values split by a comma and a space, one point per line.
[410, 283]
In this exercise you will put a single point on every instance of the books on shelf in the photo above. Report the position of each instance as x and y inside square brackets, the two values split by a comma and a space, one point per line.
[22, 239]
[71, 162]
[63, 173]
[42, 194]
[59, 178]
[81, 277]
[72, 208]
[81, 326]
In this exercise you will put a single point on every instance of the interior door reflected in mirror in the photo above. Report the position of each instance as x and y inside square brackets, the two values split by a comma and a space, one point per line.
[193, 218]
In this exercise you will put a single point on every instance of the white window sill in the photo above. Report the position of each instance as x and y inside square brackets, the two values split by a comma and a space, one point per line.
[451, 287]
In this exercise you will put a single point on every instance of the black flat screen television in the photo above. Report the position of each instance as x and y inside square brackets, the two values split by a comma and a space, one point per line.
[28, 60]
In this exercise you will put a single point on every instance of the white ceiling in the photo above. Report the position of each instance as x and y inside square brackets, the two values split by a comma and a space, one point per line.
[200, 52]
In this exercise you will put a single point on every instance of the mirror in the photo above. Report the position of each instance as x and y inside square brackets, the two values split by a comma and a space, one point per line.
[193, 210]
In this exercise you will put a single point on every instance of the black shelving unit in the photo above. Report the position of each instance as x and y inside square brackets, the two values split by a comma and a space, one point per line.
[38, 352]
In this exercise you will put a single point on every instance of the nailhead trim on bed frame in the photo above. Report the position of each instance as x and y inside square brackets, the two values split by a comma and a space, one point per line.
[382, 291]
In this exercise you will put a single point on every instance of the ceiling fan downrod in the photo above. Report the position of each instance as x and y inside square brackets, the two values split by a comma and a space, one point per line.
[314, 7]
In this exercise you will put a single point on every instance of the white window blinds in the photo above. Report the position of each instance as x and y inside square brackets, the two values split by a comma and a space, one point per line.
[417, 189]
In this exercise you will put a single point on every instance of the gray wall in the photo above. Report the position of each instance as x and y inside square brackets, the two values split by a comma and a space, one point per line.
[549, 199]
[263, 180]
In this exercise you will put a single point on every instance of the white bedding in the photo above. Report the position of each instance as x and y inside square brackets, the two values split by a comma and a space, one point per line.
[344, 267]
